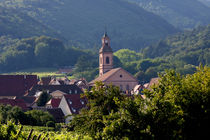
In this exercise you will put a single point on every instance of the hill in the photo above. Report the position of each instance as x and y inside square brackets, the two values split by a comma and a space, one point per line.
[20, 25]
[192, 47]
[82, 22]
[180, 13]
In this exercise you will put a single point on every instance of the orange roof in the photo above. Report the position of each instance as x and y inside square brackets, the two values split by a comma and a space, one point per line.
[105, 76]
[153, 81]
[108, 74]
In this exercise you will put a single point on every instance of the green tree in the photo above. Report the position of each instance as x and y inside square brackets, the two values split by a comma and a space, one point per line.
[179, 105]
[38, 118]
[101, 102]
[43, 98]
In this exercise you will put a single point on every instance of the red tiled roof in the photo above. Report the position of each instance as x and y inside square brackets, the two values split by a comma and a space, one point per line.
[75, 102]
[54, 102]
[16, 85]
[14, 102]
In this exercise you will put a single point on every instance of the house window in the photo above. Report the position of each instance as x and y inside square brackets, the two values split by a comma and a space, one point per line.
[107, 60]
[70, 92]
[127, 87]
[75, 91]
[121, 76]
[121, 87]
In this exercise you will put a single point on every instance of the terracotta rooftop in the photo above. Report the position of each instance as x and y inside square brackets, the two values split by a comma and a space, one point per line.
[16, 85]
[14, 102]
[105, 76]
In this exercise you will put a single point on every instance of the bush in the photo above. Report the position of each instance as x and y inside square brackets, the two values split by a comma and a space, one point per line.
[50, 124]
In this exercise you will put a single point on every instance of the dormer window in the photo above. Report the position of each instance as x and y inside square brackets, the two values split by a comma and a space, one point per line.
[70, 102]
[70, 91]
[75, 91]
[82, 102]
[74, 110]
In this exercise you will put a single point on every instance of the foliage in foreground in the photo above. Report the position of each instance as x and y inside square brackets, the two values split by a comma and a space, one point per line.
[176, 108]
[11, 131]
[32, 117]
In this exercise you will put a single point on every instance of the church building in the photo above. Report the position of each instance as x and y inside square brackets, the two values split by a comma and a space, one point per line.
[109, 75]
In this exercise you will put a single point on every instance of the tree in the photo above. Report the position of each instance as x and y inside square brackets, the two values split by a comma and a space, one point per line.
[38, 118]
[43, 98]
[179, 105]
[111, 115]
[101, 101]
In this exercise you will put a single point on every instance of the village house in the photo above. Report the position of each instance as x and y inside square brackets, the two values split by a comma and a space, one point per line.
[72, 104]
[14, 102]
[117, 76]
[68, 89]
[12, 86]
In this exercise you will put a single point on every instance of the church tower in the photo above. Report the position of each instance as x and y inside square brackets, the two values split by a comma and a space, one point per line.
[105, 56]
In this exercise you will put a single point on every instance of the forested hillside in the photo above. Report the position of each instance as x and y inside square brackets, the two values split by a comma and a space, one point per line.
[20, 25]
[82, 22]
[180, 13]
[182, 52]
[35, 52]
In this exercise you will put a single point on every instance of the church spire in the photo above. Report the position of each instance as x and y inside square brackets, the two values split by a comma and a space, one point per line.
[105, 55]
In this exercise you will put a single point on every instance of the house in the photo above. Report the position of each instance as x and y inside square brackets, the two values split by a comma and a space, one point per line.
[12, 86]
[54, 81]
[153, 81]
[60, 81]
[14, 102]
[117, 76]
[68, 89]
[82, 83]
[57, 94]
[29, 100]
[45, 81]
[71, 104]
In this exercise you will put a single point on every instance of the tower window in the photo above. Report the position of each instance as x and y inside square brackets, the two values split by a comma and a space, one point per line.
[107, 60]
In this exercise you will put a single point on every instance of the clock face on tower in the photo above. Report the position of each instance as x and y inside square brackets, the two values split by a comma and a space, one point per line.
[106, 41]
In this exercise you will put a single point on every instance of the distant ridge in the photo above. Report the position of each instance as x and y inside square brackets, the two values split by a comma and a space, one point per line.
[82, 22]
[180, 13]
